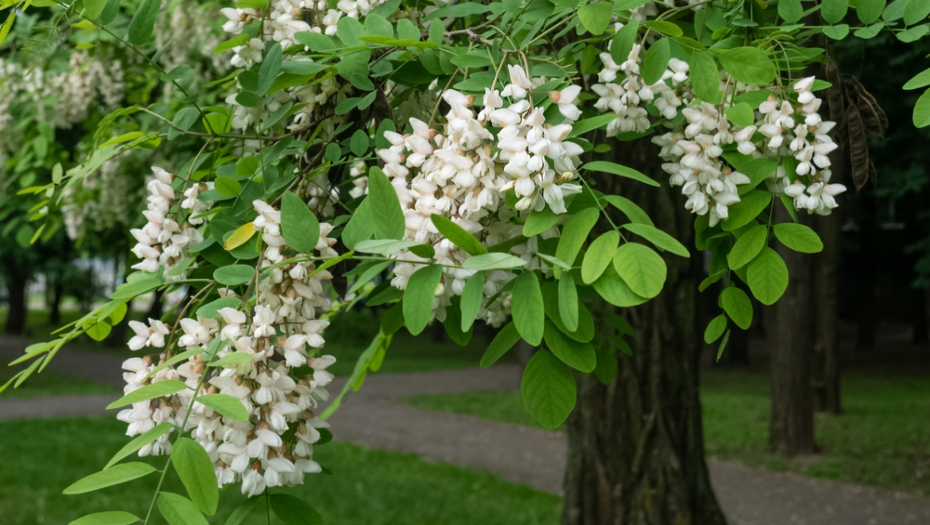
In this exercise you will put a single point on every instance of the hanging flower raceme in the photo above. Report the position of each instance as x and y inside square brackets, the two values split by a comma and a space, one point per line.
[271, 365]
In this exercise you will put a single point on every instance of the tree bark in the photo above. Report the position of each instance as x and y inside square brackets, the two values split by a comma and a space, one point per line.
[791, 427]
[826, 371]
[58, 292]
[16, 281]
[636, 448]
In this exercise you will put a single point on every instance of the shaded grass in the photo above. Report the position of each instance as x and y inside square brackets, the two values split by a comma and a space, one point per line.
[880, 439]
[49, 383]
[370, 487]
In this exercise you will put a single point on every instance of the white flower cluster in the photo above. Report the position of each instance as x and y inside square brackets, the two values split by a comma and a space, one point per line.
[462, 171]
[274, 446]
[809, 142]
[162, 241]
[627, 97]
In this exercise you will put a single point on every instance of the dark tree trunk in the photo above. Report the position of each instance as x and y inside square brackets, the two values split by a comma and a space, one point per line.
[791, 427]
[826, 370]
[919, 335]
[16, 281]
[58, 292]
[636, 448]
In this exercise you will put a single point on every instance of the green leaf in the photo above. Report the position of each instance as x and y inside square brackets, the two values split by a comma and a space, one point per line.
[527, 308]
[659, 238]
[869, 10]
[574, 234]
[471, 299]
[798, 237]
[159, 389]
[741, 114]
[630, 209]
[665, 27]
[715, 329]
[548, 389]
[130, 290]
[503, 341]
[493, 261]
[871, 31]
[227, 406]
[615, 290]
[98, 331]
[140, 441]
[920, 80]
[585, 331]
[93, 8]
[242, 511]
[293, 511]
[383, 246]
[360, 227]
[359, 143]
[723, 344]
[580, 356]
[748, 208]
[233, 275]
[736, 304]
[213, 308]
[833, 10]
[655, 63]
[418, 297]
[837, 32]
[179, 510]
[606, 369]
[271, 66]
[195, 469]
[109, 477]
[142, 25]
[790, 10]
[749, 65]
[235, 41]
[757, 170]
[767, 276]
[568, 301]
[641, 268]
[182, 75]
[113, 517]
[922, 110]
[748, 246]
[540, 221]
[299, 225]
[599, 255]
[457, 235]
[457, 11]
[704, 77]
[620, 48]
[623, 171]
[317, 42]
[596, 17]
[385, 206]
[348, 30]
[227, 186]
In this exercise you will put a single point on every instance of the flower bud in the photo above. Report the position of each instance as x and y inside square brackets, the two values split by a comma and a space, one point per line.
[555, 96]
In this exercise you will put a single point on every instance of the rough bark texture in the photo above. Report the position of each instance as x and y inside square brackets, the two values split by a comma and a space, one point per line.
[826, 369]
[791, 427]
[636, 449]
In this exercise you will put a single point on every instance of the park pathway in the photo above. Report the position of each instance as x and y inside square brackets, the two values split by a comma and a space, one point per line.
[376, 417]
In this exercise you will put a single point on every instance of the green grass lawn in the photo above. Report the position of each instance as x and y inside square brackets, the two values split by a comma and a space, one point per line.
[881, 438]
[369, 487]
[49, 383]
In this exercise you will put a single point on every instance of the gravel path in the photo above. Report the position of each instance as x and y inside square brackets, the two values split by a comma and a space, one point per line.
[376, 417]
